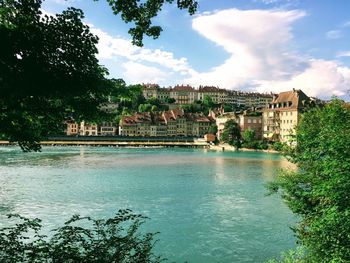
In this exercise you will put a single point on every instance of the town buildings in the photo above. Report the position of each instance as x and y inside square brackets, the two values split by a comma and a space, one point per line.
[246, 120]
[91, 129]
[282, 115]
[251, 121]
[185, 94]
[275, 122]
[168, 123]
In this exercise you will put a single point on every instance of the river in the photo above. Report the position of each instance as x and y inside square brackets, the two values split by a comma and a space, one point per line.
[208, 206]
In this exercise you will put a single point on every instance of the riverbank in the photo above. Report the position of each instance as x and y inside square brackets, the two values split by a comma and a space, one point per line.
[194, 144]
[227, 147]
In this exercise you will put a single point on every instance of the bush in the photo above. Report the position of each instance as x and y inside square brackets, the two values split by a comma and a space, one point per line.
[278, 146]
[116, 239]
[262, 145]
[318, 191]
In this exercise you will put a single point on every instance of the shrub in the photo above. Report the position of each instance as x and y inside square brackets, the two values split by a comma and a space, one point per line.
[116, 239]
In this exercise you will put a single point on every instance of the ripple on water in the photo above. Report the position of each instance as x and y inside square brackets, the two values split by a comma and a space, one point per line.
[208, 206]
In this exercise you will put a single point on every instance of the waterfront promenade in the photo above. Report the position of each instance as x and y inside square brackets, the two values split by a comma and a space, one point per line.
[124, 141]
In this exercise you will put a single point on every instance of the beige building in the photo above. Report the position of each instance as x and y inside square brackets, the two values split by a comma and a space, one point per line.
[72, 128]
[88, 129]
[169, 123]
[91, 129]
[185, 94]
[150, 91]
[251, 121]
[220, 121]
[246, 120]
[282, 115]
[217, 95]
[107, 129]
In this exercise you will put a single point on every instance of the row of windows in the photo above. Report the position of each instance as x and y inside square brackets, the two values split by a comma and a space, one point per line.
[254, 121]
[288, 121]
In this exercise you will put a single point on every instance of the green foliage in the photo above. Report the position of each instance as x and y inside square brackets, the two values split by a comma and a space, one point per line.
[201, 106]
[154, 101]
[145, 107]
[170, 100]
[231, 134]
[278, 146]
[248, 135]
[152, 105]
[48, 72]
[81, 239]
[141, 14]
[208, 102]
[213, 129]
[291, 256]
[228, 107]
[262, 145]
[250, 141]
[319, 190]
[193, 108]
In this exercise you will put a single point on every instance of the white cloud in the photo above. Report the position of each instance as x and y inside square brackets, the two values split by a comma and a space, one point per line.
[261, 56]
[322, 78]
[60, 2]
[346, 24]
[111, 47]
[343, 54]
[139, 73]
[334, 34]
[257, 41]
[279, 2]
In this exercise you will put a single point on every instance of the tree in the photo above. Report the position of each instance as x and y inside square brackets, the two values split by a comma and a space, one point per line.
[213, 129]
[249, 135]
[249, 139]
[81, 239]
[208, 102]
[231, 133]
[318, 191]
[141, 13]
[170, 100]
[48, 72]
[154, 101]
[145, 107]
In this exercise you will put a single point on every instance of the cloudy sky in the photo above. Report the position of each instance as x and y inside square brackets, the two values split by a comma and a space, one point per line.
[255, 45]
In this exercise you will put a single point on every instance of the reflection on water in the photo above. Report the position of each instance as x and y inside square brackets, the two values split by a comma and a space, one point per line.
[208, 206]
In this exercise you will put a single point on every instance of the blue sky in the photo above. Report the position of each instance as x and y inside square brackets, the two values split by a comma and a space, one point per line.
[254, 45]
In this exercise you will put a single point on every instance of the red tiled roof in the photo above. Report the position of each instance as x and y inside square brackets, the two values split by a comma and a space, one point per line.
[294, 99]
[183, 88]
[210, 89]
[150, 86]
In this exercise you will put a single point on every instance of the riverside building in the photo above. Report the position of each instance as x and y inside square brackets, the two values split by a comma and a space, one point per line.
[186, 94]
[282, 115]
[168, 123]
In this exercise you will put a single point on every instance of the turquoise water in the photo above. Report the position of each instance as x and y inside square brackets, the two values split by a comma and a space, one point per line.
[208, 206]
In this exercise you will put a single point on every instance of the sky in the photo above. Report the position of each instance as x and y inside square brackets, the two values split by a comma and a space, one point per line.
[249, 45]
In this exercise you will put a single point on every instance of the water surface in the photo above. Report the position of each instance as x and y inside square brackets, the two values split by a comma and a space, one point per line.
[208, 206]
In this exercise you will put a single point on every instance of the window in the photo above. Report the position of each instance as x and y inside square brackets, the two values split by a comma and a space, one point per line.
[249, 121]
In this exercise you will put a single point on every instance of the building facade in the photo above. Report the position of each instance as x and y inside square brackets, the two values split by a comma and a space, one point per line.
[251, 121]
[283, 114]
[168, 123]
[186, 94]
